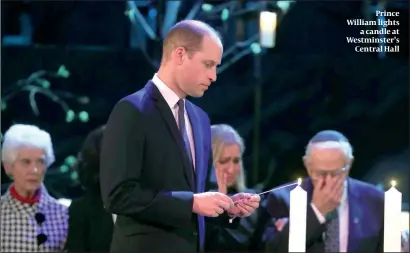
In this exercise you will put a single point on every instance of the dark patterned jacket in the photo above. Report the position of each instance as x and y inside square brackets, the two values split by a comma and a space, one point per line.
[38, 227]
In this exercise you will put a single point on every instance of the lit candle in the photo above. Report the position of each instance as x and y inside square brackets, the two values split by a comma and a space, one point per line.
[297, 219]
[267, 28]
[392, 214]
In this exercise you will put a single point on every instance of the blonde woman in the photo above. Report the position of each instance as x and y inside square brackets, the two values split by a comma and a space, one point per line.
[228, 177]
[227, 150]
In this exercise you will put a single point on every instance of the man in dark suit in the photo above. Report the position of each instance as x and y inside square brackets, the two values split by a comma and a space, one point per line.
[156, 153]
[343, 214]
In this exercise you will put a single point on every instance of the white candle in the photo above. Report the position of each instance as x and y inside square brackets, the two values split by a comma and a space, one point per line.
[392, 226]
[297, 219]
[267, 28]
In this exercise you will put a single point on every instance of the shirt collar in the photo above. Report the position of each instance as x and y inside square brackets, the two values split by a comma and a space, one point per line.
[19, 206]
[26, 200]
[345, 194]
[170, 97]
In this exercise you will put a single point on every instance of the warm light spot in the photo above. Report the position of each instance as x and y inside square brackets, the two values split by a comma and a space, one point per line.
[65, 202]
[299, 181]
[393, 183]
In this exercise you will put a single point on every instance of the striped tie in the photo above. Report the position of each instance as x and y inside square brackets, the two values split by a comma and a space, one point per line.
[332, 232]
[182, 129]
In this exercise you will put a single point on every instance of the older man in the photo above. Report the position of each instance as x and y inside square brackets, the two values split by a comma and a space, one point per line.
[156, 152]
[343, 214]
[31, 220]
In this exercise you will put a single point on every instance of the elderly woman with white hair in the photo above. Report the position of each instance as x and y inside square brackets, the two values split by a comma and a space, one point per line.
[229, 178]
[31, 220]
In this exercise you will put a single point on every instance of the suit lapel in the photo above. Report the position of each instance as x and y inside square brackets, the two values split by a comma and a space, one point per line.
[172, 126]
[355, 216]
[197, 134]
[200, 155]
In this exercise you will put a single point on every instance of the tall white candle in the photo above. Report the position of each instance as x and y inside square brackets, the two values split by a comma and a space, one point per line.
[392, 226]
[267, 28]
[297, 219]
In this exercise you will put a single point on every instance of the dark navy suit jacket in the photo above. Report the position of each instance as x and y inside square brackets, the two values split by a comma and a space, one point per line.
[366, 217]
[147, 179]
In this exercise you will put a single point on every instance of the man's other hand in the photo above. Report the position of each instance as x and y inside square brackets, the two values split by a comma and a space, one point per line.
[328, 194]
[244, 204]
[211, 204]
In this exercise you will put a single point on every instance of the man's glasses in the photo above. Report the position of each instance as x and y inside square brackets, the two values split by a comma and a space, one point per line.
[333, 173]
[40, 218]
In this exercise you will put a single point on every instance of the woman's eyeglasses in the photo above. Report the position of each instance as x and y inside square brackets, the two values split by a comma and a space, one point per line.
[40, 218]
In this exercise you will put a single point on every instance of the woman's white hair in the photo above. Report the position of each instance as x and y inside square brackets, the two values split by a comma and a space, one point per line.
[222, 135]
[20, 135]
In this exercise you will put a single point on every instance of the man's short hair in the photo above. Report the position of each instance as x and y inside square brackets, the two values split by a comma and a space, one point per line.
[330, 137]
[188, 34]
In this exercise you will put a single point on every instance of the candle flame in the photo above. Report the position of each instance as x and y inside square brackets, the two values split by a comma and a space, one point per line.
[299, 181]
[393, 183]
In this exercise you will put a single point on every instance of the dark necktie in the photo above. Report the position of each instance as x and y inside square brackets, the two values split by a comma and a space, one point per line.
[332, 232]
[182, 129]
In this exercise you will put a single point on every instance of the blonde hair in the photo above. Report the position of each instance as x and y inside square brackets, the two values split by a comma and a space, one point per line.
[223, 135]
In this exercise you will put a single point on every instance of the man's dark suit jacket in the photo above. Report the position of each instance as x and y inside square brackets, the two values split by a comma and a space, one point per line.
[90, 226]
[147, 179]
[366, 211]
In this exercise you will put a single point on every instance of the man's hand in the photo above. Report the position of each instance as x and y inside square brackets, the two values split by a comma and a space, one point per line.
[244, 204]
[328, 194]
[211, 204]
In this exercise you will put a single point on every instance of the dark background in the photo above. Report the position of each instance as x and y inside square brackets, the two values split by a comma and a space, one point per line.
[312, 80]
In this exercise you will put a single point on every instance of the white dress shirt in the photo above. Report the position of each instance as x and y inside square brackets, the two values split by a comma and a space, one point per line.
[343, 213]
[172, 99]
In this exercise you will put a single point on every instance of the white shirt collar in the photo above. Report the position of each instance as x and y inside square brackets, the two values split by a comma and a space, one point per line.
[345, 195]
[170, 97]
